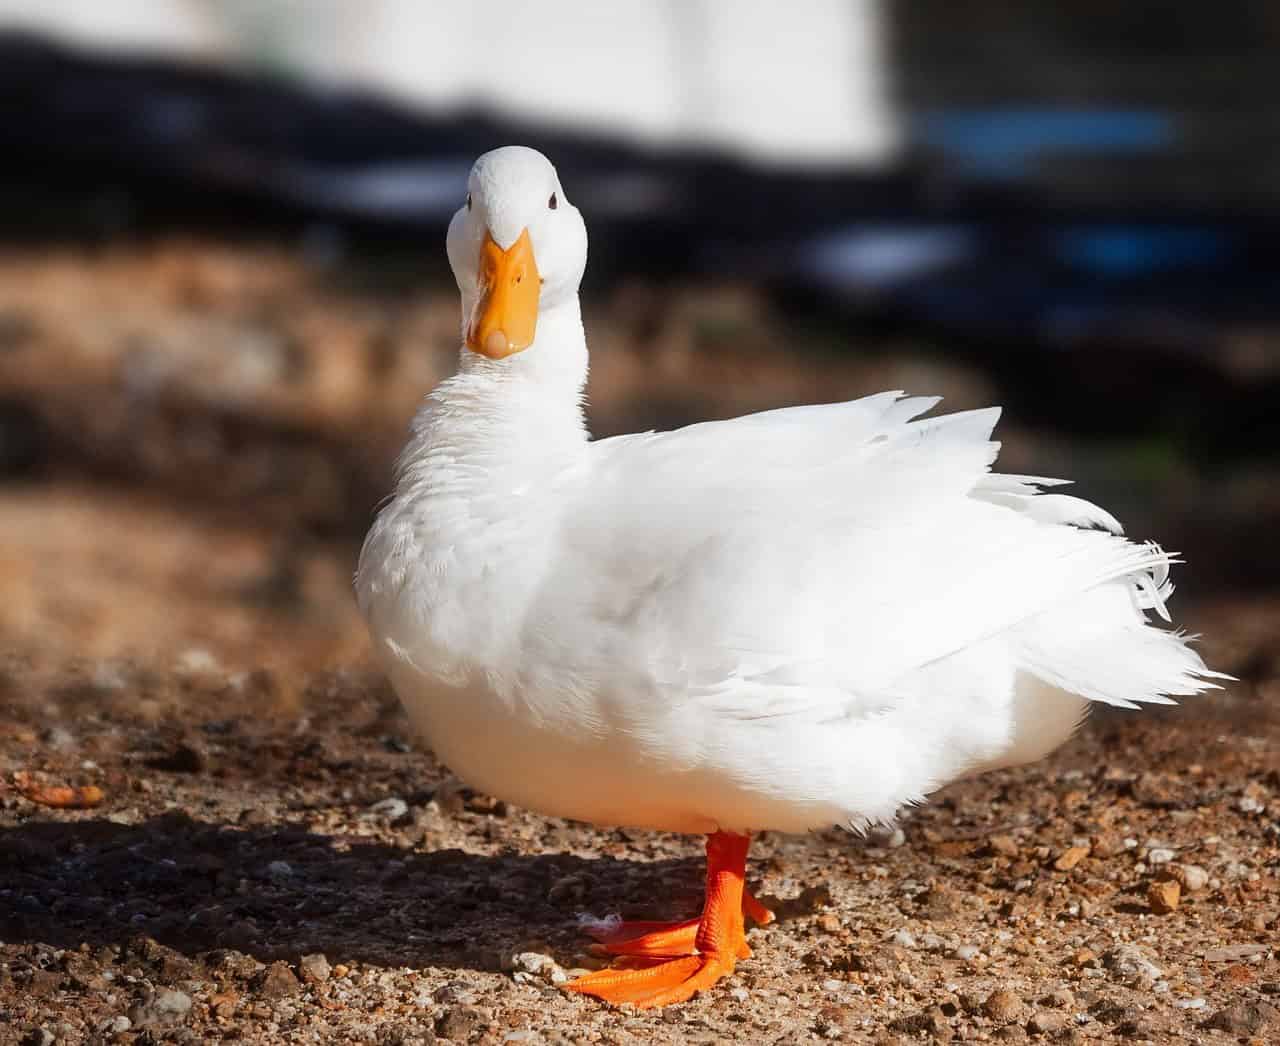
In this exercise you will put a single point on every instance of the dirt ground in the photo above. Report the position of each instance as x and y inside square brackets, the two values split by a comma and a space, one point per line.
[270, 855]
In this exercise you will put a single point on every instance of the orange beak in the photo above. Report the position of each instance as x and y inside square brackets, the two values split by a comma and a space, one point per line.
[506, 316]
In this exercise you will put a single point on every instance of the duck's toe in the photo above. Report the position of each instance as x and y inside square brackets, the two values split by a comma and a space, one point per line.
[755, 911]
[660, 984]
[645, 939]
[665, 940]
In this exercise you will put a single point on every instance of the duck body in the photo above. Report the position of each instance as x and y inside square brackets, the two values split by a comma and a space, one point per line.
[799, 618]
[804, 617]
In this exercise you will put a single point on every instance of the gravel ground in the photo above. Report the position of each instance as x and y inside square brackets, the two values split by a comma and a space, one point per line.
[266, 854]
[274, 859]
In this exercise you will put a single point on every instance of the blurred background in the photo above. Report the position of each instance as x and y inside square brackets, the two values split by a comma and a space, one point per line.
[223, 293]
[223, 287]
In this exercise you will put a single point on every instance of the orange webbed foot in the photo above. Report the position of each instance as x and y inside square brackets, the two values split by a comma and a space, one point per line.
[674, 980]
[665, 963]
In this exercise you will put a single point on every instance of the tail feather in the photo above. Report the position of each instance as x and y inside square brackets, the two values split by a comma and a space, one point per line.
[1097, 646]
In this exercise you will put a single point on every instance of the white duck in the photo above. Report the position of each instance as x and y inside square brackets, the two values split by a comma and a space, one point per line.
[800, 618]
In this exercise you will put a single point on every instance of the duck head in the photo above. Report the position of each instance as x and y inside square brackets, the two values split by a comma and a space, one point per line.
[517, 247]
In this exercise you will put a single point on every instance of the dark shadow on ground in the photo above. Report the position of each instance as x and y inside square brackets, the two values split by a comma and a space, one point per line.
[281, 892]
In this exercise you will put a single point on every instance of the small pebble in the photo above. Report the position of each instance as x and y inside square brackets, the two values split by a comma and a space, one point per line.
[966, 952]
[166, 1007]
[1138, 1027]
[530, 966]
[459, 1022]
[1192, 877]
[277, 981]
[1128, 963]
[1163, 897]
[1244, 1019]
[1071, 857]
[390, 809]
[1043, 1023]
[1234, 952]
[1160, 855]
[1002, 1005]
[314, 968]
[1190, 1004]
[279, 870]
[196, 660]
[904, 939]
[454, 992]
[174, 1002]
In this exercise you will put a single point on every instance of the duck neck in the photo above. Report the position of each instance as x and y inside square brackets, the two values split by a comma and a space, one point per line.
[504, 423]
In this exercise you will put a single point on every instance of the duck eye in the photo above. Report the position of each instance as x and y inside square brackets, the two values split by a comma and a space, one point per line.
[553, 203]
[468, 201]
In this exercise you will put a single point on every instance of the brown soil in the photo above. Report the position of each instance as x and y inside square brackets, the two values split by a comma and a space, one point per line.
[263, 801]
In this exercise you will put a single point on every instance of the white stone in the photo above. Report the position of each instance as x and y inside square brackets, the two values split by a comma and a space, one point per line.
[390, 809]
[1194, 877]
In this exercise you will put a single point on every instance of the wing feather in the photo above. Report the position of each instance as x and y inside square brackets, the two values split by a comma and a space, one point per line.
[810, 558]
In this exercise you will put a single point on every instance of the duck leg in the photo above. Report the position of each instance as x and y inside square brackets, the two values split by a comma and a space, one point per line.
[718, 939]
